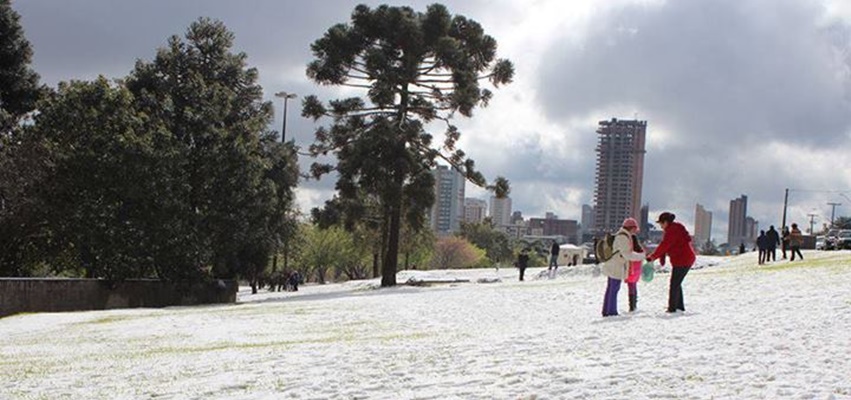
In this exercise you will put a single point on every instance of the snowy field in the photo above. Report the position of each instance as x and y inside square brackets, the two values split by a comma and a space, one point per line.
[781, 331]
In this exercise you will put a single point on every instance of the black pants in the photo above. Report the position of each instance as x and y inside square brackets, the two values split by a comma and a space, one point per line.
[797, 249]
[771, 254]
[675, 293]
[784, 246]
[522, 271]
[762, 256]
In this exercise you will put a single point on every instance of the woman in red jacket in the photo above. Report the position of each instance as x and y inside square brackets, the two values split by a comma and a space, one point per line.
[676, 244]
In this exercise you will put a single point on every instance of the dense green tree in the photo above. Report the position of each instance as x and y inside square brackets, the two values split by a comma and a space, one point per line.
[416, 68]
[19, 87]
[416, 246]
[226, 183]
[455, 252]
[96, 187]
[496, 244]
[21, 239]
[325, 249]
[24, 240]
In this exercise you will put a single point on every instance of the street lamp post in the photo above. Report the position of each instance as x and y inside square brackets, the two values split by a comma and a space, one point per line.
[286, 96]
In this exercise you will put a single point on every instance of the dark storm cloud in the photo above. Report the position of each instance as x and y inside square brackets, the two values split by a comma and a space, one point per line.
[721, 69]
[720, 81]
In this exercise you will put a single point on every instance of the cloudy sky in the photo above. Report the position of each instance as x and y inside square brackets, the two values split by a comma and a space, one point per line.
[741, 96]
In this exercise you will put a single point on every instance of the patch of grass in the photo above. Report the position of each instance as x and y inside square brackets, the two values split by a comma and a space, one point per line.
[106, 320]
[339, 337]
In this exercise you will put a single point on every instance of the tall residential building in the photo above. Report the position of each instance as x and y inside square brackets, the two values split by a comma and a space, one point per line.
[587, 218]
[751, 231]
[736, 227]
[702, 226]
[500, 211]
[620, 172]
[448, 209]
[475, 210]
[644, 222]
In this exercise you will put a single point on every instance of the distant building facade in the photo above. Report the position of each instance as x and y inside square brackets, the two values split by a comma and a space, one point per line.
[500, 211]
[644, 222]
[475, 210]
[516, 218]
[736, 226]
[702, 226]
[587, 220]
[751, 231]
[448, 210]
[554, 227]
[619, 172]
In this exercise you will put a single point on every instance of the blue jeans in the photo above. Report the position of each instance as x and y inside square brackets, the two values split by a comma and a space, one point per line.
[610, 301]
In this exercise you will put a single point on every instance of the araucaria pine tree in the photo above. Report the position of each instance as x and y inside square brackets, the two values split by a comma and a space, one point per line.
[415, 68]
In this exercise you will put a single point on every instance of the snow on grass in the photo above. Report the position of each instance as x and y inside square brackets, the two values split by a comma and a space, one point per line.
[775, 331]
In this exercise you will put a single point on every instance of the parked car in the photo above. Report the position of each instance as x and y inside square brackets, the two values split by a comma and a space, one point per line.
[843, 240]
[830, 239]
[821, 242]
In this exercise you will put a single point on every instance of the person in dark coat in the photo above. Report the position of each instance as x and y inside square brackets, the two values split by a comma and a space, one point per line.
[676, 243]
[294, 280]
[523, 262]
[552, 270]
[784, 237]
[772, 240]
[762, 245]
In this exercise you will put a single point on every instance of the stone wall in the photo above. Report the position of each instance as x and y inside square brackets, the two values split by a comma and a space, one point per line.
[51, 295]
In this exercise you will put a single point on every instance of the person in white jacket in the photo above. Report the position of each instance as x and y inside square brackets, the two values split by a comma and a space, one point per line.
[617, 267]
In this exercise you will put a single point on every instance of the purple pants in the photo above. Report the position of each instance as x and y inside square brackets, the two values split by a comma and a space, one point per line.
[610, 302]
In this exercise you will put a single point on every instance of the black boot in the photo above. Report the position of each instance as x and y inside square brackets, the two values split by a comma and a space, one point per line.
[633, 302]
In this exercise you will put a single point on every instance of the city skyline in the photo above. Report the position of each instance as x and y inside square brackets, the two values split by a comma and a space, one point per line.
[712, 95]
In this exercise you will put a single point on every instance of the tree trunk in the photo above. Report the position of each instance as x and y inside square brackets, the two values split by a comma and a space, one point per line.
[391, 258]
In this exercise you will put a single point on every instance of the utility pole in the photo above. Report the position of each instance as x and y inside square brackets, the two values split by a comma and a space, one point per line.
[286, 96]
[812, 218]
[785, 204]
[833, 211]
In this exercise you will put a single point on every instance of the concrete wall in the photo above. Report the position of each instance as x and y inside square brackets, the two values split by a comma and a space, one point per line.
[50, 295]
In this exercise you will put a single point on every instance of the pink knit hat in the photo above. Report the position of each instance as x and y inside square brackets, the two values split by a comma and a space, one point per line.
[630, 223]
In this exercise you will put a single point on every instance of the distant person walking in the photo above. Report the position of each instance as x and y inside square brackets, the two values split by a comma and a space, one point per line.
[634, 274]
[294, 280]
[784, 237]
[552, 270]
[772, 240]
[523, 262]
[676, 243]
[617, 267]
[762, 246]
[796, 240]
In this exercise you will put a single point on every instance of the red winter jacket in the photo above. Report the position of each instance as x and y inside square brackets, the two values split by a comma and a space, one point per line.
[676, 243]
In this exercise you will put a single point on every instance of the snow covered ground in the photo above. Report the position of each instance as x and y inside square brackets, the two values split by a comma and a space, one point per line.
[773, 332]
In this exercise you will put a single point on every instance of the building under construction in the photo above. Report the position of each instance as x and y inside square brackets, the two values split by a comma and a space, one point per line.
[620, 173]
